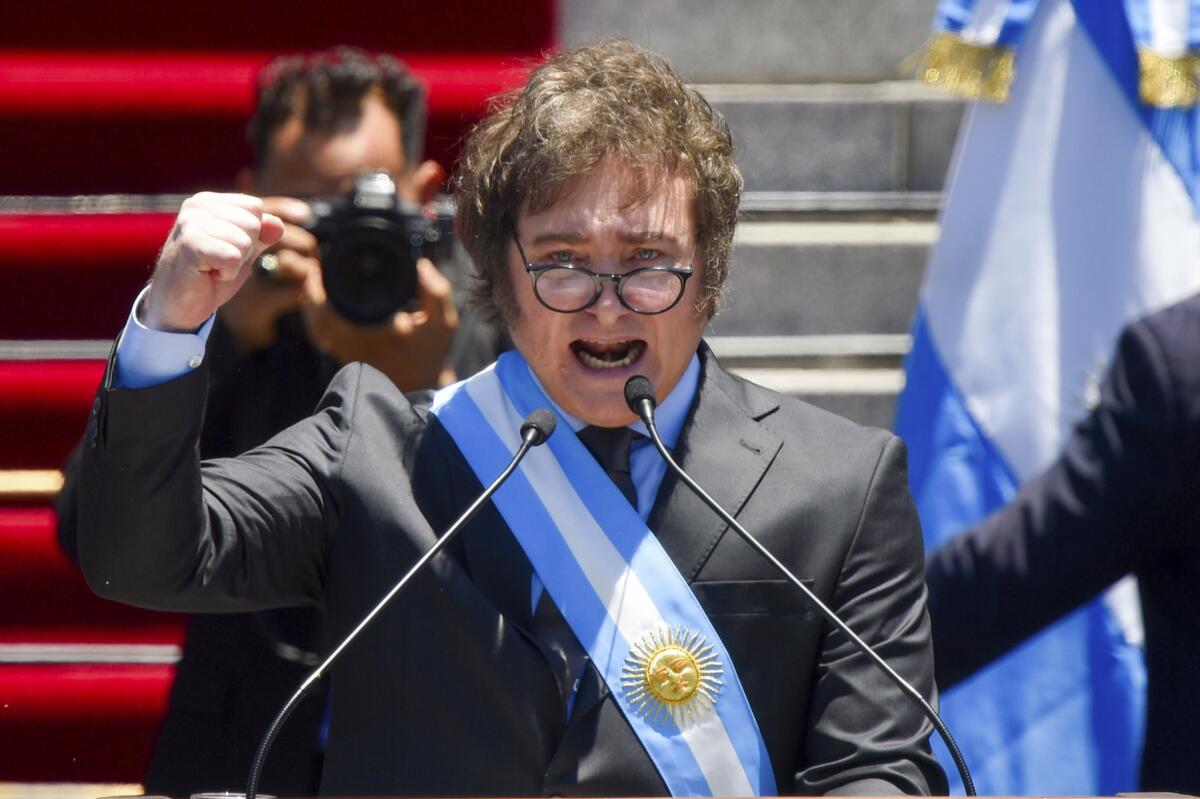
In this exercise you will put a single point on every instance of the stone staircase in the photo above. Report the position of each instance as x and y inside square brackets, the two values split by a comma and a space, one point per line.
[844, 163]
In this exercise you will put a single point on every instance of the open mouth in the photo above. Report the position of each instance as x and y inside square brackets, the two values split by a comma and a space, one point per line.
[607, 354]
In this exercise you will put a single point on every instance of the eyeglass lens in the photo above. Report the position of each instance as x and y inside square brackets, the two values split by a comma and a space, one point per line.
[565, 289]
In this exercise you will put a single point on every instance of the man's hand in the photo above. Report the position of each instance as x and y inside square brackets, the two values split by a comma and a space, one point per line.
[253, 314]
[410, 349]
[206, 258]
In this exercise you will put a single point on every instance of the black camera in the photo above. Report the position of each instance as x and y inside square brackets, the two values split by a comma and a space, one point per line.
[369, 243]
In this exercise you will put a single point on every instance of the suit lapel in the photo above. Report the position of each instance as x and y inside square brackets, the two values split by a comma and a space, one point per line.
[727, 451]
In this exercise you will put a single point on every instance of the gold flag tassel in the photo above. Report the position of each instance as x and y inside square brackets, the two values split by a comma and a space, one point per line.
[1168, 81]
[970, 71]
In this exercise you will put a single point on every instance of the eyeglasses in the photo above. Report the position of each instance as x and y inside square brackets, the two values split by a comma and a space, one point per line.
[569, 288]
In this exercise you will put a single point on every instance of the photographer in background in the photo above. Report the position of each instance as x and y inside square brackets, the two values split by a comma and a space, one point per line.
[322, 123]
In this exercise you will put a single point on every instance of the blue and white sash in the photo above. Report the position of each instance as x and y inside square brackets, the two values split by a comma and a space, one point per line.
[614, 584]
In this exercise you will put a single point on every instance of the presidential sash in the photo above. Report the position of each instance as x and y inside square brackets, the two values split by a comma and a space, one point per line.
[628, 605]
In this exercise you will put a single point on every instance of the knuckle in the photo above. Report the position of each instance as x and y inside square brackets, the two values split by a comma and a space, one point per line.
[242, 240]
[251, 203]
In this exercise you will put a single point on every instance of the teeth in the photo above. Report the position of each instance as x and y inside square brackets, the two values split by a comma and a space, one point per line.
[588, 359]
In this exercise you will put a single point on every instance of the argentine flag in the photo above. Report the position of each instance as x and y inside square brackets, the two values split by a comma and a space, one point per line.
[1071, 209]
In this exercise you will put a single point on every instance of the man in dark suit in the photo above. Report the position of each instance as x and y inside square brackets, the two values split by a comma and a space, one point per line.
[1122, 498]
[598, 205]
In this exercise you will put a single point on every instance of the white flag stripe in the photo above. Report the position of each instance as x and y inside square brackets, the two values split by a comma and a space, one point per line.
[1168, 26]
[619, 588]
[1063, 207]
[987, 20]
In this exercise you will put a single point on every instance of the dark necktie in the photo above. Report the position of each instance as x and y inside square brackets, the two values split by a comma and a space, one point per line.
[610, 446]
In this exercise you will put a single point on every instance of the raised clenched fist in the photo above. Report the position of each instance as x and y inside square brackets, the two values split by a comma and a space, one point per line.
[206, 258]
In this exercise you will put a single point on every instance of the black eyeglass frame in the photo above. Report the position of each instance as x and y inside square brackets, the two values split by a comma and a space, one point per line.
[535, 271]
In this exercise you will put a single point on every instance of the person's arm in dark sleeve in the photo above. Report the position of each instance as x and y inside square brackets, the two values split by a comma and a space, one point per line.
[159, 529]
[868, 738]
[1088, 520]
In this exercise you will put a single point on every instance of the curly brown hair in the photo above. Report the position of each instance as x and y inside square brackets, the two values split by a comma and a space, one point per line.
[579, 108]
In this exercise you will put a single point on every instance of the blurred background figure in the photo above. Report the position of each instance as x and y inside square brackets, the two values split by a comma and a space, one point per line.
[1070, 212]
[99, 109]
[322, 121]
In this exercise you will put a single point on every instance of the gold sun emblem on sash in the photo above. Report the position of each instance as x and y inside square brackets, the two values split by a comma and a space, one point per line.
[672, 674]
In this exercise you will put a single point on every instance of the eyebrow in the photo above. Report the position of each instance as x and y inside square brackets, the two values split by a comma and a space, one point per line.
[630, 237]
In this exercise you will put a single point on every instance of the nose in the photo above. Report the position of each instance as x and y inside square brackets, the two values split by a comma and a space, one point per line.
[608, 308]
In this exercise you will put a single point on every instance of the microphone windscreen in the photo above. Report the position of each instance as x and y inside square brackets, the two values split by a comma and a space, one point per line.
[638, 388]
[543, 421]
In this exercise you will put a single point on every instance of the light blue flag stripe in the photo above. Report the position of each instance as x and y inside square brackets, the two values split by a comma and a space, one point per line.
[1137, 13]
[1020, 12]
[953, 15]
[955, 473]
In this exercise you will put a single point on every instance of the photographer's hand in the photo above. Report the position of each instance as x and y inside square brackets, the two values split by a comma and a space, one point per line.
[253, 314]
[410, 349]
[206, 258]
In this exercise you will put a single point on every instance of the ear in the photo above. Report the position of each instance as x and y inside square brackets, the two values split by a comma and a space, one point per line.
[246, 180]
[428, 177]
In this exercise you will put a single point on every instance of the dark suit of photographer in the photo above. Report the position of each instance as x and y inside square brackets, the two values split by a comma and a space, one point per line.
[321, 122]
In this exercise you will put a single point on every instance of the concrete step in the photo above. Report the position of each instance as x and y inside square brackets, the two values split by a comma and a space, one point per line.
[895, 136]
[858, 206]
[856, 376]
[761, 40]
[855, 351]
[866, 398]
[828, 278]
[864, 392]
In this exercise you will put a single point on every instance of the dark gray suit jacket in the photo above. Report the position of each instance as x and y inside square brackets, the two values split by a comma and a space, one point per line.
[447, 692]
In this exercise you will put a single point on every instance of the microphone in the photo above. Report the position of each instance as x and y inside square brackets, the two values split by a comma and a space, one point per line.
[639, 396]
[537, 427]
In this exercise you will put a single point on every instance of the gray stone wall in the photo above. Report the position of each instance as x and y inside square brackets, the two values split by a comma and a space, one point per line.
[765, 41]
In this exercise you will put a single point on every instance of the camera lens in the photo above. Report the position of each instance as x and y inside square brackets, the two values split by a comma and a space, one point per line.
[369, 272]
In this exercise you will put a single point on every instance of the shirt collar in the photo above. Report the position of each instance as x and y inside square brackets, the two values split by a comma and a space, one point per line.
[669, 416]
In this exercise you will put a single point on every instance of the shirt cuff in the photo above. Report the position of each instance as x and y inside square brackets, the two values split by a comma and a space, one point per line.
[148, 357]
